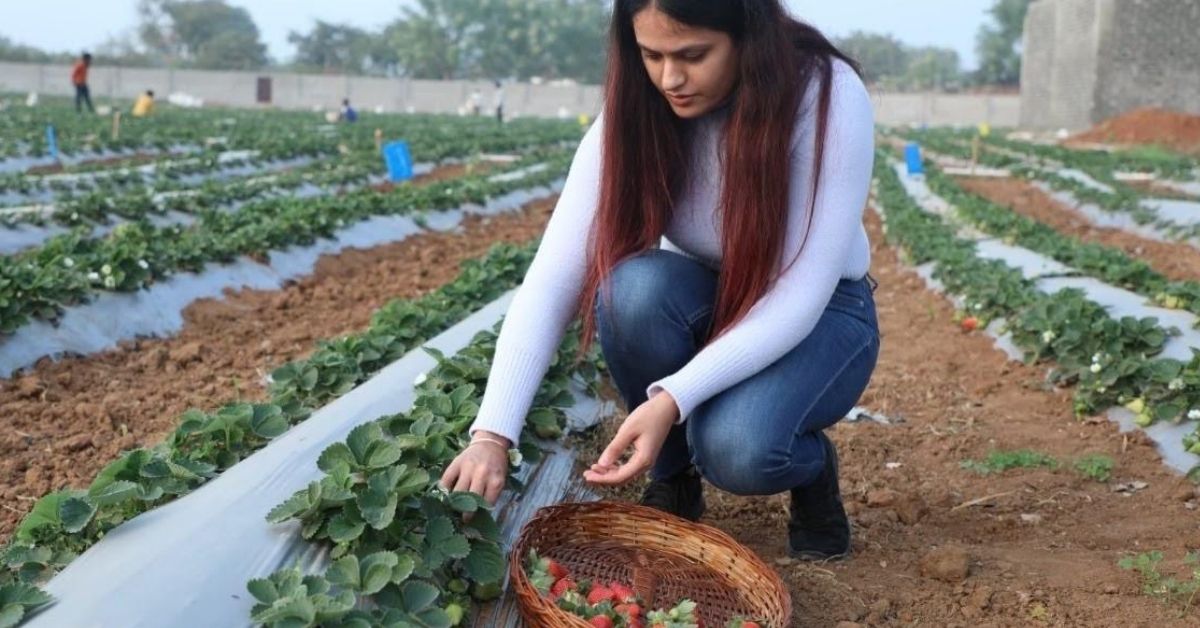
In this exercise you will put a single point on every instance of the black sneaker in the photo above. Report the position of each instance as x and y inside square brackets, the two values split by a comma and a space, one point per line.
[681, 495]
[818, 529]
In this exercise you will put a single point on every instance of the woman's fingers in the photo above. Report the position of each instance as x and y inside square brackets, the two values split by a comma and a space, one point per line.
[450, 475]
[624, 438]
[614, 475]
[463, 483]
[494, 487]
[479, 481]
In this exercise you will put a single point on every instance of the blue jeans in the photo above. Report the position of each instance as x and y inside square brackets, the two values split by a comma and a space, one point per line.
[761, 436]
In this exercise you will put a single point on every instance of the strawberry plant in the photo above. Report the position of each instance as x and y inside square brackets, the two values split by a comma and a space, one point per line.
[398, 538]
[66, 523]
[1108, 361]
[69, 269]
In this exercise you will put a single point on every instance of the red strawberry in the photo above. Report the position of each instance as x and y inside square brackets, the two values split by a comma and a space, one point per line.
[558, 571]
[970, 323]
[598, 594]
[632, 611]
[562, 586]
[622, 593]
[602, 621]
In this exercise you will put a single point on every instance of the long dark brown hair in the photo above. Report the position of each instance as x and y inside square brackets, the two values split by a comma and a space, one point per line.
[645, 147]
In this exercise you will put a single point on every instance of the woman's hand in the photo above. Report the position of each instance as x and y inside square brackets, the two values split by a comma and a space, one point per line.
[481, 468]
[646, 428]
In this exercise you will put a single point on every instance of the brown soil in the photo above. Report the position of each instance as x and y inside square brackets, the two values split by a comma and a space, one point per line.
[1147, 126]
[1175, 261]
[115, 162]
[1040, 546]
[441, 173]
[64, 420]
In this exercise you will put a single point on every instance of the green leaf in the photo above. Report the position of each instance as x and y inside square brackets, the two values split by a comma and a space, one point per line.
[403, 569]
[485, 563]
[268, 421]
[411, 483]
[76, 513]
[11, 615]
[410, 441]
[344, 572]
[263, 590]
[346, 526]
[443, 543]
[295, 505]
[335, 455]
[115, 493]
[483, 525]
[127, 467]
[360, 439]
[23, 594]
[466, 502]
[378, 508]
[461, 394]
[298, 611]
[382, 453]
[45, 515]
[377, 571]
[434, 618]
[418, 595]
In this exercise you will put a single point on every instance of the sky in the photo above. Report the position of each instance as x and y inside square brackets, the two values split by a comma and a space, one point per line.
[45, 23]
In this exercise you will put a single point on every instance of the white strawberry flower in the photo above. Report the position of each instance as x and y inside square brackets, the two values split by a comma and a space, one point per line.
[978, 306]
[1096, 368]
[110, 282]
[1097, 357]
[1176, 384]
[1194, 414]
[94, 276]
[1102, 389]
[515, 458]
[74, 215]
[68, 262]
[106, 270]
[1048, 336]
[143, 265]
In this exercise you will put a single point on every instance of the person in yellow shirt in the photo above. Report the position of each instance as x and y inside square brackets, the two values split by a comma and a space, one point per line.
[144, 105]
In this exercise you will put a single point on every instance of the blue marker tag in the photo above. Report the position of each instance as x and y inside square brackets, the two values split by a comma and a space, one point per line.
[398, 161]
[912, 156]
[51, 142]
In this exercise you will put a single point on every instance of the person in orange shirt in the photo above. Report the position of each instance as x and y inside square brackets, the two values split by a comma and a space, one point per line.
[79, 78]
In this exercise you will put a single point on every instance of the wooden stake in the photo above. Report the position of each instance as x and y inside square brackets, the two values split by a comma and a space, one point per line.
[378, 139]
[116, 130]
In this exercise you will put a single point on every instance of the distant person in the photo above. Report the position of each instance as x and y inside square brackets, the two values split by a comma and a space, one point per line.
[476, 102]
[498, 101]
[348, 112]
[145, 104]
[79, 78]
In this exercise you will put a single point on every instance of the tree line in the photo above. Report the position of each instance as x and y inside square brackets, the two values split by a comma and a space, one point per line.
[490, 39]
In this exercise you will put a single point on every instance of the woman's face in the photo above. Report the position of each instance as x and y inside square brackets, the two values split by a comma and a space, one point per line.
[694, 68]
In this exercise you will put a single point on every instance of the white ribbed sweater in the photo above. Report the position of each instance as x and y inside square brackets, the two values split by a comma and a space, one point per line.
[549, 297]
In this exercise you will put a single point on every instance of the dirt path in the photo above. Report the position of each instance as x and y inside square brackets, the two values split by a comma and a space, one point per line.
[66, 419]
[1175, 261]
[1041, 546]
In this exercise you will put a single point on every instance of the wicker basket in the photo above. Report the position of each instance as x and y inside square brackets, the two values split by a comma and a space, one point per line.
[665, 558]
